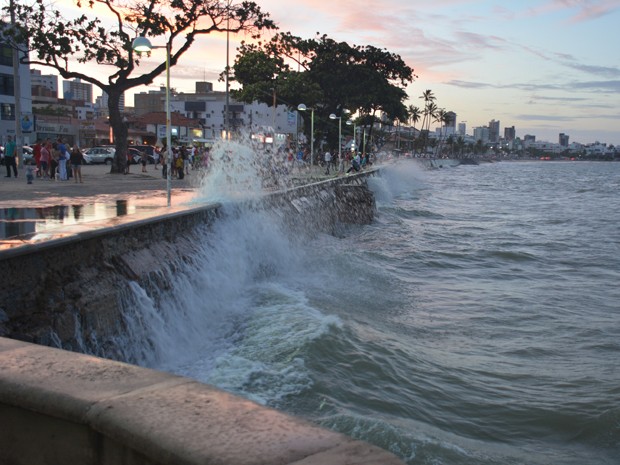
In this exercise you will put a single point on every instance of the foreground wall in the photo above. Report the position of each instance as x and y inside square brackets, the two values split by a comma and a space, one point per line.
[59, 407]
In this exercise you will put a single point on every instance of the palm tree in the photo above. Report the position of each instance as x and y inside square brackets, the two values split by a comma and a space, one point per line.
[414, 117]
[430, 113]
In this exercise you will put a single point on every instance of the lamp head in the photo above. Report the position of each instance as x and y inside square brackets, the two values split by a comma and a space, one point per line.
[349, 122]
[333, 116]
[301, 107]
[141, 45]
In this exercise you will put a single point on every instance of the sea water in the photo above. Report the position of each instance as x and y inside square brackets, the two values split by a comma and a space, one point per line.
[476, 321]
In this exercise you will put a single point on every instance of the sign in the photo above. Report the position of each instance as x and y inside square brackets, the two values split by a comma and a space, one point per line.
[27, 122]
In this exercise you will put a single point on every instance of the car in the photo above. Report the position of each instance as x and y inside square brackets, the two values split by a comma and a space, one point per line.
[28, 155]
[99, 155]
[135, 155]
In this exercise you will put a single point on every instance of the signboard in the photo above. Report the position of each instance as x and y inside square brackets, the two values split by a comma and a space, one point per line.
[27, 122]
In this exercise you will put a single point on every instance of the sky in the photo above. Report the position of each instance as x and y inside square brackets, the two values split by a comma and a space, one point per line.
[543, 66]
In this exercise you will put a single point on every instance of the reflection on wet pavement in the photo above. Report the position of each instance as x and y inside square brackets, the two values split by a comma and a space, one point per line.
[21, 226]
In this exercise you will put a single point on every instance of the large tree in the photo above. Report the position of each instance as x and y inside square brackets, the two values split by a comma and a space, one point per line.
[64, 44]
[326, 75]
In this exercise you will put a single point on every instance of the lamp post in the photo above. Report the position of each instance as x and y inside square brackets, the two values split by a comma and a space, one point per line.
[302, 107]
[143, 45]
[354, 144]
[339, 118]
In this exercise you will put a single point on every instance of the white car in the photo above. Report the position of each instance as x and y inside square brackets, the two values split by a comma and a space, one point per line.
[99, 155]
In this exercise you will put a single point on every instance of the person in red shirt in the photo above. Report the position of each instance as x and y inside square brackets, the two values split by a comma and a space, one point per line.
[36, 151]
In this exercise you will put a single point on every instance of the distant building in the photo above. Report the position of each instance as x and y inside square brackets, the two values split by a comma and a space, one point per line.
[462, 128]
[563, 139]
[209, 108]
[46, 84]
[510, 133]
[481, 133]
[493, 131]
[529, 138]
[78, 90]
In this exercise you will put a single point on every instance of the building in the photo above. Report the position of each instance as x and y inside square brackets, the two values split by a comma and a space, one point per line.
[510, 134]
[77, 90]
[462, 128]
[563, 139]
[481, 134]
[8, 111]
[45, 84]
[209, 108]
[493, 131]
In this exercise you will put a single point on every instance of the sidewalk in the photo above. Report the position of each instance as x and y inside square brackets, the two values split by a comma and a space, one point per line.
[98, 186]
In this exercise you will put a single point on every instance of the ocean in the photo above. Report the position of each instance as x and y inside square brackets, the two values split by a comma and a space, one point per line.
[475, 321]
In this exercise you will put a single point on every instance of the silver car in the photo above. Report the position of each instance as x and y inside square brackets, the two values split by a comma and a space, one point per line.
[99, 155]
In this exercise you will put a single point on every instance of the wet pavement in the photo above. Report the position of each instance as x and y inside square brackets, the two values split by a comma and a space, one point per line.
[47, 209]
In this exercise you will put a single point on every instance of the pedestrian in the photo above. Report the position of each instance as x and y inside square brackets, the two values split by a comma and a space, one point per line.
[53, 160]
[143, 160]
[36, 152]
[45, 160]
[328, 159]
[76, 163]
[63, 155]
[9, 157]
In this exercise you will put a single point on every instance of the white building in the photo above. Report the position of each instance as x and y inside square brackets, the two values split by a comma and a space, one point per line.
[8, 113]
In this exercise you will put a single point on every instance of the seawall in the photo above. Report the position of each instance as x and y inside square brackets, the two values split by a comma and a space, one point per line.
[78, 408]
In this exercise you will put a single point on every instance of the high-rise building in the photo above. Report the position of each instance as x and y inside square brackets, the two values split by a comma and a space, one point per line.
[463, 128]
[493, 131]
[563, 139]
[77, 90]
[510, 133]
[47, 83]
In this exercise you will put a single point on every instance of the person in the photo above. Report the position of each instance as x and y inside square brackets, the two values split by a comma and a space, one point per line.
[62, 159]
[328, 159]
[9, 157]
[355, 163]
[36, 151]
[127, 161]
[76, 163]
[53, 148]
[45, 160]
[179, 164]
[143, 160]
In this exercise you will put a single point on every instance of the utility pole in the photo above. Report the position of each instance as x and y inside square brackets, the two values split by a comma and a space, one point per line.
[18, 97]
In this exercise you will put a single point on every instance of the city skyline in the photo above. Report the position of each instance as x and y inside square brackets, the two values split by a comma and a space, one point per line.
[546, 66]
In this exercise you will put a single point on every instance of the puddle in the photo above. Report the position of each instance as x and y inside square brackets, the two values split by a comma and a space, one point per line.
[26, 223]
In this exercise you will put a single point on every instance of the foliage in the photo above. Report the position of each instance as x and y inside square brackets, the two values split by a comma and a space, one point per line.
[330, 77]
[65, 44]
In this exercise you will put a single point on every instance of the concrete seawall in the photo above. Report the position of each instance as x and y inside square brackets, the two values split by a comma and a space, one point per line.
[78, 408]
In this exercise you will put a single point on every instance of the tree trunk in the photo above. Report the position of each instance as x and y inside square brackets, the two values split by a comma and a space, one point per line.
[119, 128]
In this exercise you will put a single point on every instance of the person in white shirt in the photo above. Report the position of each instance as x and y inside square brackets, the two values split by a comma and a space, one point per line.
[328, 160]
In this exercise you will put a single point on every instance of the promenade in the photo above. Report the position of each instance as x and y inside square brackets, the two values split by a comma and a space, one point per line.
[98, 186]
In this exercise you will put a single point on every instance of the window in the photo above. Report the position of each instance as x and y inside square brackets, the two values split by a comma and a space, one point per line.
[6, 84]
[7, 111]
[6, 55]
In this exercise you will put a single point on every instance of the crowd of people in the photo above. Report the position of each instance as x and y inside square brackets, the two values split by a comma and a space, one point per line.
[53, 160]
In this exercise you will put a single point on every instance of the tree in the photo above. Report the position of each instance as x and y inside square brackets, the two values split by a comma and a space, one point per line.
[332, 76]
[65, 44]
[414, 117]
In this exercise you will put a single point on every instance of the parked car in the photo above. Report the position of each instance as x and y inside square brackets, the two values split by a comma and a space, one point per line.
[99, 155]
[135, 154]
[28, 155]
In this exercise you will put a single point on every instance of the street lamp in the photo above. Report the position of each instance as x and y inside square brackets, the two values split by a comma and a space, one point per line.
[302, 107]
[143, 45]
[339, 118]
[354, 144]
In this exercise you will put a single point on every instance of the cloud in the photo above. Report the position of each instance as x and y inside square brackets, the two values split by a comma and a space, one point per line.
[604, 71]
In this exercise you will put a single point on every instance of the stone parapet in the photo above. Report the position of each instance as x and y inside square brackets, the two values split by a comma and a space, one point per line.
[62, 407]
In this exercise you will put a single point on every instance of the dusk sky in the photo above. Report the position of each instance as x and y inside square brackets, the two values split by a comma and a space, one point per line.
[545, 66]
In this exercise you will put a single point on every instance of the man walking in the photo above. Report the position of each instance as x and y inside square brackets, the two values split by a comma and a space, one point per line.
[9, 157]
